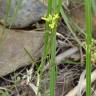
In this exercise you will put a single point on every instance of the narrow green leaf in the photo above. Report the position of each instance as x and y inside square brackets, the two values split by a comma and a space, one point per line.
[88, 14]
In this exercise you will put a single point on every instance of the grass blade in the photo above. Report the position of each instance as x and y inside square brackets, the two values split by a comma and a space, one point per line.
[88, 14]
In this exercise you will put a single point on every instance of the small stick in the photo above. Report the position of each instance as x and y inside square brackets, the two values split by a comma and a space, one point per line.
[62, 56]
[74, 91]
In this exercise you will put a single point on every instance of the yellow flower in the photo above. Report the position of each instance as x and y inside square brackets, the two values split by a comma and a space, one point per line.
[47, 18]
[52, 19]
[52, 25]
[55, 17]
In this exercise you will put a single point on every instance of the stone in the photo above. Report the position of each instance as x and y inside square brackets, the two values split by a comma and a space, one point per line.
[21, 13]
[13, 41]
[12, 44]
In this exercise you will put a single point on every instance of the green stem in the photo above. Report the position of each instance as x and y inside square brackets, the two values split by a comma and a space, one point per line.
[88, 42]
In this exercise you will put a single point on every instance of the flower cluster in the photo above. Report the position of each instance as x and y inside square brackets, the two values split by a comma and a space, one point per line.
[52, 20]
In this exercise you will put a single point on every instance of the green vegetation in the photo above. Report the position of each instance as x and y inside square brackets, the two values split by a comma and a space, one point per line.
[88, 12]
[54, 13]
[50, 41]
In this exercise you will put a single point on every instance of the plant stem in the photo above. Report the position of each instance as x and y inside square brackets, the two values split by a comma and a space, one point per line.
[88, 15]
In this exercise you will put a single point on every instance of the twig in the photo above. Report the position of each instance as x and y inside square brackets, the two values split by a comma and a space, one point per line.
[66, 54]
[62, 56]
[82, 77]
[73, 92]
